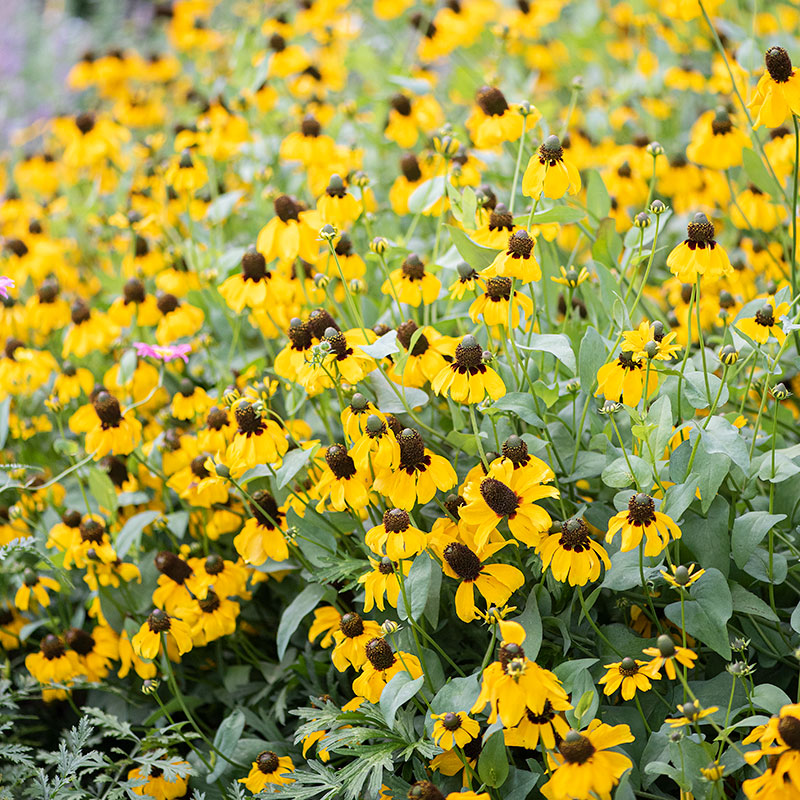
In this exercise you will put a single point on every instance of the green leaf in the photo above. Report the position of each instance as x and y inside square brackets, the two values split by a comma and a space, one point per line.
[469, 206]
[102, 489]
[720, 436]
[225, 742]
[388, 401]
[708, 612]
[568, 671]
[745, 602]
[531, 621]
[384, 345]
[131, 532]
[5, 407]
[607, 248]
[422, 586]
[561, 214]
[598, 200]
[492, 763]
[679, 497]
[694, 388]
[618, 474]
[591, 356]
[749, 531]
[795, 619]
[758, 174]
[521, 404]
[708, 537]
[127, 367]
[400, 689]
[293, 462]
[770, 698]
[458, 694]
[556, 344]
[426, 194]
[302, 605]
[221, 207]
[477, 256]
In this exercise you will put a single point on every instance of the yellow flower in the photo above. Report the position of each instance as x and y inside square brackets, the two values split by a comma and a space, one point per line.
[666, 654]
[629, 676]
[550, 173]
[715, 142]
[147, 642]
[572, 555]
[411, 283]
[454, 729]
[584, 767]
[681, 577]
[326, 621]
[341, 484]
[691, 714]
[382, 581]
[777, 94]
[493, 305]
[517, 260]
[467, 379]
[381, 666]
[495, 582]
[36, 586]
[510, 494]
[337, 206]
[351, 639]
[699, 254]
[155, 785]
[641, 520]
[765, 323]
[492, 121]
[262, 537]
[650, 341]
[623, 380]
[571, 277]
[396, 536]
[268, 768]
[514, 683]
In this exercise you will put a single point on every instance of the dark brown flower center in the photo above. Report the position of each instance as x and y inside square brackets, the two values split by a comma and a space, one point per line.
[779, 65]
[80, 312]
[545, 718]
[516, 450]
[451, 721]
[452, 503]
[520, 245]
[115, 469]
[409, 166]
[266, 512]
[424, 790]
[499, 497]
[158, 621]
[16, 246]
[700, 229]
[84, 122]
[551, 151]
[379, 653]
[217, 418]
[248, 419]
[405, 332]
[299, 334]
[198, 466]
[413, 268]
[401, 104]
[508, 652]
[254, 265]
[214, 564]
[287, 208]
[498, 288]
[267, 762]
[501, 219]
[48, 291]
[575, 748]
[319, 320]
[396, 520]
[173, 566]
[52, 647]
[80, 641]
[310, 126]
[210, 603]
[134, 291]
[351, 625]
[765, 316]
[386, 566]
[491, 101]
[626, 361]
[92, 531]
[107, 408]
[574, 536]
[789, 729]
[72, 518]
[338, 344]
[340, 462]
[628, 667]
[412, 449]
[641, 510]
[469, 355]
[167, 303]
[344, 247]
[462, 561]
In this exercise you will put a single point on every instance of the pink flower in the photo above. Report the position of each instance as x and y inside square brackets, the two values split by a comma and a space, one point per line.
[165, 353]
[5, 285]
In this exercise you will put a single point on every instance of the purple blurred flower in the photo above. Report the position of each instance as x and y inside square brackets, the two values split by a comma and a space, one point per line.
[165, 353]
[5, 285]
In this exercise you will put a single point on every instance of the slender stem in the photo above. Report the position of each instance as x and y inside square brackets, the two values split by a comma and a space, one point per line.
[516, 168]
[593, 624]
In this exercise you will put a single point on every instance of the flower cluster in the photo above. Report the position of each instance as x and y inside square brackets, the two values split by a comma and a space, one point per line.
[384, 413]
